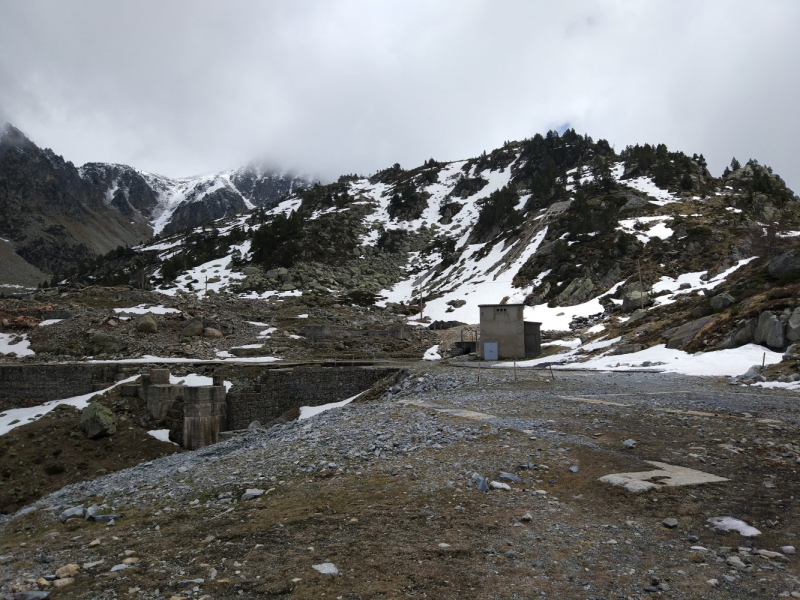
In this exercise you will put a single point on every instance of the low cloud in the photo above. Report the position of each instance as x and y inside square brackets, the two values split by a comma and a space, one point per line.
[344, 86]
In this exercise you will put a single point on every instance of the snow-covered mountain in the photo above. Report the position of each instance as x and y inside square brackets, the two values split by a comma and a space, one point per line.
[56, 217]
[174, 204]
[625, 248]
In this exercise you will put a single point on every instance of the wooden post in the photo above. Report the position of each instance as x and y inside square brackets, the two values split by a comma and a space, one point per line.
[515, 370]
[763, 360]
[479, 372]
[641, 285]
[553, 377]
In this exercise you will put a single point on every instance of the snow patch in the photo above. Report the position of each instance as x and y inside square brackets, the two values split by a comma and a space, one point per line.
[306, 412]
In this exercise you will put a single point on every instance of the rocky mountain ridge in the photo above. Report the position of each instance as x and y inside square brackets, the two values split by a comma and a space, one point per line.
[627, 250]
[55, 217]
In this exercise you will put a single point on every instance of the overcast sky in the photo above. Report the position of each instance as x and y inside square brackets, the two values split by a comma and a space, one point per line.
[333, 87]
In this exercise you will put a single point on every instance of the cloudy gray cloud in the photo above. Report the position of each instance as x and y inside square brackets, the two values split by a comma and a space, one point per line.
[335, 87]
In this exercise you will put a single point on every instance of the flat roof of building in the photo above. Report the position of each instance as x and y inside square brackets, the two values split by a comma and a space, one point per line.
[482, 305]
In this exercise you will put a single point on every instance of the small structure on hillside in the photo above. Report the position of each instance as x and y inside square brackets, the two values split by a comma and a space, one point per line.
[506, 334]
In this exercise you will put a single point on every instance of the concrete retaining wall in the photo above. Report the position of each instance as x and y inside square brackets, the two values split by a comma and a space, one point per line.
[273, 392]
[30, 385]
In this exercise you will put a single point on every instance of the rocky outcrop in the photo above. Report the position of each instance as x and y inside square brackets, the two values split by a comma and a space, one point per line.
[633, 299]
[786, 265]
[577, 291]
[793, 326]
[721, 301]
[769, 331]
[679, 336]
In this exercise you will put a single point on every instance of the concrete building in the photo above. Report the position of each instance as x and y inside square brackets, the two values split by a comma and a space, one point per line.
[506, 334]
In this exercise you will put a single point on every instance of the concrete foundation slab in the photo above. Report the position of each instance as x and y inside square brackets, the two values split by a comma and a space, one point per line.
[664, 476]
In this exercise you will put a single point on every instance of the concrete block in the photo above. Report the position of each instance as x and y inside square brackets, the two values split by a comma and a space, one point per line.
[159, 376]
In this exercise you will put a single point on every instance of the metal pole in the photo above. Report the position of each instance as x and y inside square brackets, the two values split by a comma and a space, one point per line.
[515, 370]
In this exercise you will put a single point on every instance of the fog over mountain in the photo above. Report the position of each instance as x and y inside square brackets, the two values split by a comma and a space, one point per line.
[338, 87]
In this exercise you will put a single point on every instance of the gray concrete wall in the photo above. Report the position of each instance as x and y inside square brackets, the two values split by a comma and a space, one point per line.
[273, 392]
[504, 325]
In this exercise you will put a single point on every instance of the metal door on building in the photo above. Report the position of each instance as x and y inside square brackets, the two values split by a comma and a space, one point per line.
[489, 350]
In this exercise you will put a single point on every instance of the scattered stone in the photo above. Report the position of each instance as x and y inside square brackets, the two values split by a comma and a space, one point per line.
[76, 512]
[736, 562]
[788, 550]
[527, 518]
[249, 494]
[119, 567]
[254, 426]
[60, 583]
[670, 523]
[104, 518]
[481, 484]
[629, 443]
[67, 571]
[573, 469]
[510, 477]
[497, 485]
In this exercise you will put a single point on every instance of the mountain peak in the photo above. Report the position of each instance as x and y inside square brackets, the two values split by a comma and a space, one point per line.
[11, 136]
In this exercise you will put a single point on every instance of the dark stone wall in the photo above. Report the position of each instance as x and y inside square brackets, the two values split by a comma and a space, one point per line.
[30, 385]
[270, 393]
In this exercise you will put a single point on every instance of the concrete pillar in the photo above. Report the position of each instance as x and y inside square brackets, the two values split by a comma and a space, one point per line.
[203, 416]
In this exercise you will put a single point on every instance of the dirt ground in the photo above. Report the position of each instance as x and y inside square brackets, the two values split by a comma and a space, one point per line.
[403, 532]
[51, 452]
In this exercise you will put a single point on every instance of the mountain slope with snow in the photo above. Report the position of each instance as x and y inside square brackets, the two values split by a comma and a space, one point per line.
[57, 217]
[629, 247]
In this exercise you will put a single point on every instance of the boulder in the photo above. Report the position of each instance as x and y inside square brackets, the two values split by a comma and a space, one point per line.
[102, 343]
[702, 311]
[721, 301]
[687, 331]
[250, 270]
[97, 421]
[634, 299]
[769, 331]
[192, 328]
[793, 326]
[785, 265]
[146, 324]
[746, 332]
[210, 332]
